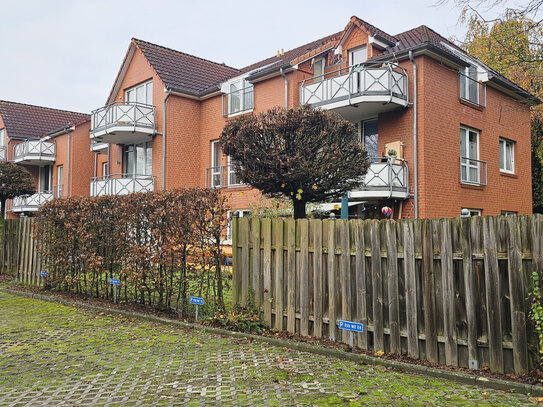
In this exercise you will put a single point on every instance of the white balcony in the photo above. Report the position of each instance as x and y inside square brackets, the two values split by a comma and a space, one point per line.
[34, 152]
[123, 123]
[30, 203]
[224, 176]
[121, 184]
[386, 179]
[358, 90]
[98, 147]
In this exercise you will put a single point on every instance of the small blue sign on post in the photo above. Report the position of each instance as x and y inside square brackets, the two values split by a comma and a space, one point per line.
[351, 326]
[197, 300]
[115, 282]
[44, 274]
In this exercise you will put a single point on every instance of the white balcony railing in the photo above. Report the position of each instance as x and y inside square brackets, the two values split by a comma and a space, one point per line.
[472, 171]
[223, 176]
[121, 184]
[357, 84]
[30, 203]
[123, 122]
[34, 152]
[386, 178]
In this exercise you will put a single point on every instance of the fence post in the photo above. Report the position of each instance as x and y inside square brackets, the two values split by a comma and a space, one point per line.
[236, 278]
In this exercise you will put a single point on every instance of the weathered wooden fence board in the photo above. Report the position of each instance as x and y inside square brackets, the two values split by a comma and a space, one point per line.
[451, 291]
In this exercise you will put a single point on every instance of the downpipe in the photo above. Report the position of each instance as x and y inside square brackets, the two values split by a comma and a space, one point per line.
[415, 147]
[286, 86]
[164, 138]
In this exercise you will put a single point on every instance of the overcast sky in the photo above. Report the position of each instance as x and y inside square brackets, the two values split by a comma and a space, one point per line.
[66, 54]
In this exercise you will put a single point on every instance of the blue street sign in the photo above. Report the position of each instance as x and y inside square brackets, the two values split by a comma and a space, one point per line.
[351, 326]
[44, 273]
[114, 281]
[197, 300]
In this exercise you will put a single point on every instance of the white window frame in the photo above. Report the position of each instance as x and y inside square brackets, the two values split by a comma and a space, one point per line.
[60, 180]
[242, 86]
[230, 172]
[467, 80]
[469, 165]
[503, 149]
[216, 170]
[105, 169]
[473, 211]
[318, 76]
[146, 146]
[2, 138]
[509, 213]
[146, 89]
[354, 50]
[41, 177]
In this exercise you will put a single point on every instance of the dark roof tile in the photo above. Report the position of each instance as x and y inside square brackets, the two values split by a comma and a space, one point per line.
[28, 121]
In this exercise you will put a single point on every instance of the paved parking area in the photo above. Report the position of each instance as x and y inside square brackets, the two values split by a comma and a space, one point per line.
[54, 355]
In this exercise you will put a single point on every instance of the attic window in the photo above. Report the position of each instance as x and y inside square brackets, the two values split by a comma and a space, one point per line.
[469, 84]
[240, 97]
[358, 55]
[318, 69]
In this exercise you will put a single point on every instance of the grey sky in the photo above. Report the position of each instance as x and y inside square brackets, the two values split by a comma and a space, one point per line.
[66, 54]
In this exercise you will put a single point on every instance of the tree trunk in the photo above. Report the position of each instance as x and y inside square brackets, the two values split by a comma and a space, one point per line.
[2, 207]
[299, 208]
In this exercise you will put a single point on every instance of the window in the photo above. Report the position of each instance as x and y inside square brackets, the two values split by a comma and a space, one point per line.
[216, 170]
[105, 169]
[507, 156]
[470, 166]
[469, 84]
[140, 94]
[370, 136]
[241, 97]
[472, 212]
[138, 159]
[318, 70]
[233, 178]
[239, 213]
[358, 56]
[508, 213]
[45, 179]
[60, 181]
[2, 138]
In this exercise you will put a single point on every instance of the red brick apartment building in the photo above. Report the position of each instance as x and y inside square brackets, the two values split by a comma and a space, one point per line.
[461, 131]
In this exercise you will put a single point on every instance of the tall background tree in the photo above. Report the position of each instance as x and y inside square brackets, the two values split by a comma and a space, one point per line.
[14, 181]
[512, 44]
[304, 154]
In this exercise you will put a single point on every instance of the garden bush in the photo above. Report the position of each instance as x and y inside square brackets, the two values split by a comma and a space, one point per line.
[163, 246]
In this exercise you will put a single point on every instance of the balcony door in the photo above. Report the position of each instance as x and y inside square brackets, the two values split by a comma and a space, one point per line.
[469, 156]
[370, 138]
[216, 154]
[44, 179]
[138, 159]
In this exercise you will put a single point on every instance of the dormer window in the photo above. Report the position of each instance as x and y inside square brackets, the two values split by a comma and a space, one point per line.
[240, 97]
[469, 84]
[318, 69]
[358, 55]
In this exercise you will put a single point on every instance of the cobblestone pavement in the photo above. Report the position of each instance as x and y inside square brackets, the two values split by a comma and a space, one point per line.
[54, 355]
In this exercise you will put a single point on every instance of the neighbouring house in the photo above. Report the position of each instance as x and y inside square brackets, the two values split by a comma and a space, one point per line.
[461, 131]
[53, 145]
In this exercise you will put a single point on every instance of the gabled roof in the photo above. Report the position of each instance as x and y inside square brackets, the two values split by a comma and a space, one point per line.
[183, 72]
[30, 122]
[368, 28]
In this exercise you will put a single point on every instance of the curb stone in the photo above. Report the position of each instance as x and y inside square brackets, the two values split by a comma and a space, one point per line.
[460, 377]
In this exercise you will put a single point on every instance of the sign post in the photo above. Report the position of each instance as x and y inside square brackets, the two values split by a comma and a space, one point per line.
[198, 301]
[114, 282]
[44, 274]
[352, 327]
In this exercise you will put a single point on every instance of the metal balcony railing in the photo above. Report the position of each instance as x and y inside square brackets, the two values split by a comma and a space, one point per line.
[34, 150]
[386, 178]
[472, 171]
[121, 184]
[238, 101]
[223, 176]
[387, 81]
[471, 90]
[30, 203]
[125, 114]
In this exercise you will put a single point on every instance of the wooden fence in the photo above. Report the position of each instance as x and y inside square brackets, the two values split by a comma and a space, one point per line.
[452, 291]
[19, 251]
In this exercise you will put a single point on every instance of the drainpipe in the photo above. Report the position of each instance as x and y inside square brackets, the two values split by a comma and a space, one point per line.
[164, 138]
[69, 161]
[286, 86]
[415, 152]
